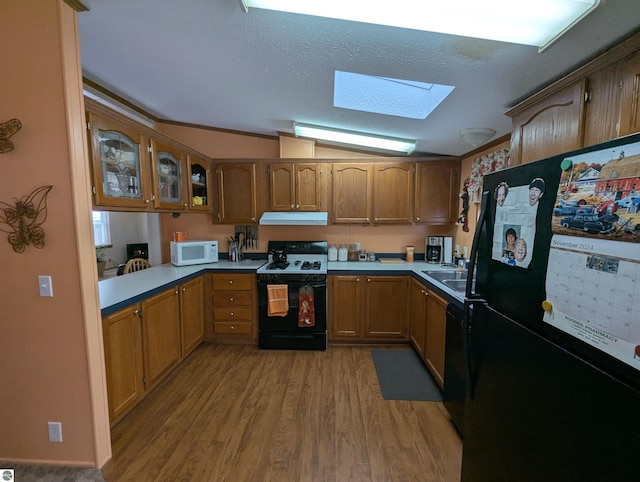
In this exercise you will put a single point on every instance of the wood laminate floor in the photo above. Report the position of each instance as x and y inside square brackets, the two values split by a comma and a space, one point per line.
[238, 413]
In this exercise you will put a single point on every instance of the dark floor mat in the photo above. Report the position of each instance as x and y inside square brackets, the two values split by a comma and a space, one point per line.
[403, 376]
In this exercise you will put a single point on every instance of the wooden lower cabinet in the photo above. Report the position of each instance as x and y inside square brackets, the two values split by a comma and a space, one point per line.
[160, 335]
[417, 311]
[121, 333]
[345, 308]
[145, 341]
[436, 325]
[235, 301]
[368, 308]
[428, 318]
[191, 315]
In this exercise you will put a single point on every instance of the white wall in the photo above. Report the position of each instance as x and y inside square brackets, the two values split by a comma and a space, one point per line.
[129, 228]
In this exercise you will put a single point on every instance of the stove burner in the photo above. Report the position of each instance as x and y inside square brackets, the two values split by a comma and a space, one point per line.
[309, 265]
[278, 265]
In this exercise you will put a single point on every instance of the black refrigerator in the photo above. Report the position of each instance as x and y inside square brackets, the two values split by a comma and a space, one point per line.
[553, 323]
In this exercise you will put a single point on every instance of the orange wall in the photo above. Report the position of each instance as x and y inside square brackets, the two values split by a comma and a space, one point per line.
[377, 239]
[47, 372]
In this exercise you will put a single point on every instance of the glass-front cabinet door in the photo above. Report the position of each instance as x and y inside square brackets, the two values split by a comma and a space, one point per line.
[119, 161]
[169, 180]
[199, 185]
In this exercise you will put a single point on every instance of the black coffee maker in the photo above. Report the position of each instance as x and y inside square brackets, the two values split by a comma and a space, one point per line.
[433, 249]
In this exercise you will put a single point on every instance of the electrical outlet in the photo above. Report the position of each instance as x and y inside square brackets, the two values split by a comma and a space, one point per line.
[55, 432]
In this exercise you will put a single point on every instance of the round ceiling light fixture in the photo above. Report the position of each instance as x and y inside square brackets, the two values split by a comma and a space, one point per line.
[477, 136]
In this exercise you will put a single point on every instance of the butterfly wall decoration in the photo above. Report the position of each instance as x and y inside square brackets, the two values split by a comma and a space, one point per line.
[7, 129]
[23, 220]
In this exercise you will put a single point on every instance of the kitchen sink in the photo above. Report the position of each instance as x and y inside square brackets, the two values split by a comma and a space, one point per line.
[456, 284]
[447, 275]
[456, 280]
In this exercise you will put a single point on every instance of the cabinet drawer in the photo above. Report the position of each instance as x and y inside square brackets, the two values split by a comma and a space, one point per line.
[232, 282]
[243, 314]
[231, 327]
[232, 299]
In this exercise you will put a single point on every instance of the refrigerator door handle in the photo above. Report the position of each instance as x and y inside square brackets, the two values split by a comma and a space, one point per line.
[482, 218]
[468, 341]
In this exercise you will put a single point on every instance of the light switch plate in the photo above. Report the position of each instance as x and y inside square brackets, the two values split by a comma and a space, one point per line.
[46, 288]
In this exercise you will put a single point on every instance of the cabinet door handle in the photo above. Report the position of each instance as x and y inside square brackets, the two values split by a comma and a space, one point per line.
[230, 281]
[231, 314]
[184, 289]
[231, 299]
[368, 280]
[417, 218]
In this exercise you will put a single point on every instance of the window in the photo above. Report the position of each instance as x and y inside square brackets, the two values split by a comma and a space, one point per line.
[101, 231]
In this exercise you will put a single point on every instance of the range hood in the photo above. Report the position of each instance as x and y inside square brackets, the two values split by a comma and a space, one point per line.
[294, 219]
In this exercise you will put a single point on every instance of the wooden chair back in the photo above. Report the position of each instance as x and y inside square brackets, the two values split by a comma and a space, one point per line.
[136, 264]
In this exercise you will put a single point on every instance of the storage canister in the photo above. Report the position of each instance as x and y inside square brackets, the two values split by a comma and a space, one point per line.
[410, 253]
[333, 253]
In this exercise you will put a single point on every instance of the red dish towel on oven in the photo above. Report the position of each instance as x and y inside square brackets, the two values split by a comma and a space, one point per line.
[278, 300]
[306, 309]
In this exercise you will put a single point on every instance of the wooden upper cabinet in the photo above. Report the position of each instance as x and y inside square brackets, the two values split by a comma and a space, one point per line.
[602, 107]
[436, 192]
[351, 193]
[296, 187]
[135, 168]
[393, 193]
[372, 193]
[549, 127]
[120, 164]
[199, 181]
[169, 176]
[630, 101]
[237, 198]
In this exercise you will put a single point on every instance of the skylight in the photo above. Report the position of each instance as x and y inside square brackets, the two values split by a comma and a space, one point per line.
[386, 95]
[528, 22]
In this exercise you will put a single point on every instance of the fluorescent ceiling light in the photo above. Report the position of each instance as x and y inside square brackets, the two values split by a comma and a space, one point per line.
[528, 22]
[354, 138]
[386, 95]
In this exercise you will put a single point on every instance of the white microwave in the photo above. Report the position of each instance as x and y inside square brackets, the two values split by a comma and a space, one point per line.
[194, 252]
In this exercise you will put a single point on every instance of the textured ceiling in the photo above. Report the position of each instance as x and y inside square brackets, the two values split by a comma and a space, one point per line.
[206, 62]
